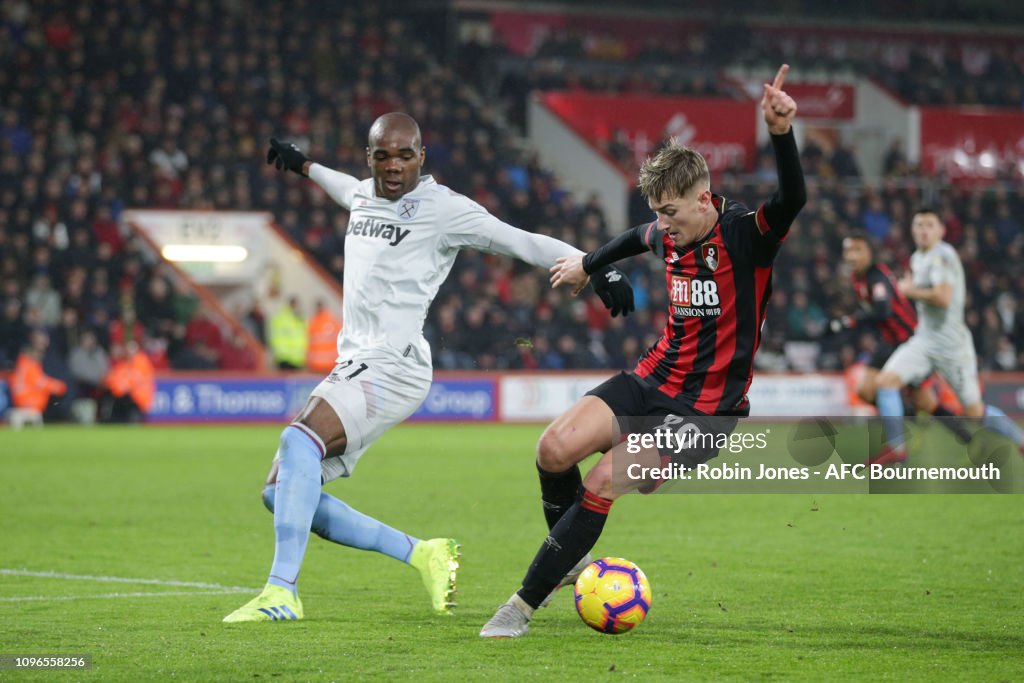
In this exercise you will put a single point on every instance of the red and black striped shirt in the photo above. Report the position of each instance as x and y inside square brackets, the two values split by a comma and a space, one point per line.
[883, 305]
[718, 293]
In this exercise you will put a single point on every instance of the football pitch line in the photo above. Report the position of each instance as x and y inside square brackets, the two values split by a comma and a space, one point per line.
[48, 598]
[208, 588]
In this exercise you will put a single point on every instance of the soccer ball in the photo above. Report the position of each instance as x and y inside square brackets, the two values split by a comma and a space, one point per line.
[612, 595]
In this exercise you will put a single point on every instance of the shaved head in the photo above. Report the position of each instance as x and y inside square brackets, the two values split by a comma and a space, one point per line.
[395, 123]
[395, 154]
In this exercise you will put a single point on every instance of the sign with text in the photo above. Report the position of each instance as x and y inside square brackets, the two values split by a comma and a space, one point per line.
[279, 398]
[972, 143]
[459, 400]
[219, 399]
[723, 130]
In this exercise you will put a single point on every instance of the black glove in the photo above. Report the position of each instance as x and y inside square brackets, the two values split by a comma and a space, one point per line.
[286, 155]
[612, 285]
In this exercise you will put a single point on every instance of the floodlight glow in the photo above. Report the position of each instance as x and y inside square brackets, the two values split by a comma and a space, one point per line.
[209, 253]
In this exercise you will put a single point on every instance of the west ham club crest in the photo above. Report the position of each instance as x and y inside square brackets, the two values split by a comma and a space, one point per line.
[407, 209]
[709, 252]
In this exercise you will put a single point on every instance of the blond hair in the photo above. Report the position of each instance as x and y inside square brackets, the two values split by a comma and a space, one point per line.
[672, 172]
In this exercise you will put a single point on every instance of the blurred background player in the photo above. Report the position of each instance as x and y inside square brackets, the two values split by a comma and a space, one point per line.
[886, 310]
[718, 257]
[404, 233]
[941, 343]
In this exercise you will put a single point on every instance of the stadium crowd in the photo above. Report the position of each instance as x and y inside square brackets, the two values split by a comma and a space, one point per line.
[953, 69]
[169, 104]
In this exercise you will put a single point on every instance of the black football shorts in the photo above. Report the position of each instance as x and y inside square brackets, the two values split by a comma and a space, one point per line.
[639, 407]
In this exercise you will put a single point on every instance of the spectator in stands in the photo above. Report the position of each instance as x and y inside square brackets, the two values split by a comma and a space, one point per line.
[81, 252]
[843, 162]
[185, 302]
[66, 335]
[16, 135]
[287, 337]
[106, 230]
[126, 328]
[1005, 357]
[238, 355]
[73, 295]
[156, 307]
[895, 163]
[875, 219]
[169, 161]
[42, 297]
[48, 229]
[13, 333]
[88, 363]
[33, 391]
[78, 159]
[204, 338]
[805, 319]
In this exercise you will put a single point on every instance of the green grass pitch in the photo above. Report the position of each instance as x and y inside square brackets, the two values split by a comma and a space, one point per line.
[746, 587]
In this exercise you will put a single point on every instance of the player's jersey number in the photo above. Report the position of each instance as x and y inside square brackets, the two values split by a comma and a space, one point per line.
[344, 365]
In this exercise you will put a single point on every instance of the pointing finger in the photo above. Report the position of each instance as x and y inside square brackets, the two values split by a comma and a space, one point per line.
[780, 77]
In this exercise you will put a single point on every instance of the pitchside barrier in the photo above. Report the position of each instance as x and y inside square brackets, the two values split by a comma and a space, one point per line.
[493, 397]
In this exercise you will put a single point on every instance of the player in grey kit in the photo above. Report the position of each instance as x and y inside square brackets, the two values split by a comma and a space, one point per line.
[404, 233]
[941, 343]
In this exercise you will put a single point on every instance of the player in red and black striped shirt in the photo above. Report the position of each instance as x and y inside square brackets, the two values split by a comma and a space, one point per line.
[884, 307]
[718, 257]
[882, 303]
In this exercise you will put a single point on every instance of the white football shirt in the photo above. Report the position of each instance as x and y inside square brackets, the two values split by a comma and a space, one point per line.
[943, 328]
[397, 254]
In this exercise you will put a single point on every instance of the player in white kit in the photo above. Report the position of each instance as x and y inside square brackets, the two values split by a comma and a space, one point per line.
[404, 233]
[941, 343]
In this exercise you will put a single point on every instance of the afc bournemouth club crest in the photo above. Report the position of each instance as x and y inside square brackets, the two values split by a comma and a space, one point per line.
[709, 252]
[407, 209]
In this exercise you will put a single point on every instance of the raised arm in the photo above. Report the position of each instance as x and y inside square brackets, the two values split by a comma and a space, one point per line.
[777, 214]
[286, 156]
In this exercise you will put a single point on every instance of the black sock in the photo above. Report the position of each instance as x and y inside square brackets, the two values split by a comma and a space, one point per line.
[909, 410]
[570, 539]
[558, 491]
[955, 425]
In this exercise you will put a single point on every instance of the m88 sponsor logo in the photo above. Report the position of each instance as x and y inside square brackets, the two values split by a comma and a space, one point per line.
[692, 297]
